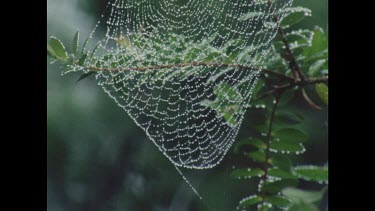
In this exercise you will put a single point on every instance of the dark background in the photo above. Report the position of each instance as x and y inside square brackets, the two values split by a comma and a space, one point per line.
[98, 159]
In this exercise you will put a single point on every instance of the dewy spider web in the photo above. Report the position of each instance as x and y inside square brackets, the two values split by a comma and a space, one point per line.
[184, 69]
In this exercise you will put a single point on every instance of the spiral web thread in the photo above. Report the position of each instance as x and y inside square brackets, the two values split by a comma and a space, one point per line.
[177, 68]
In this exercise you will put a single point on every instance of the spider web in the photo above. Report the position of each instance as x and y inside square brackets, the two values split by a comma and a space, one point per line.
[183, 70]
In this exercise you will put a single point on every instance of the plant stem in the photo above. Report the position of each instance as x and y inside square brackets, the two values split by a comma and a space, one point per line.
[293, 65]
[268, 143]
[191, 64]
[308, 81]
[309, 101]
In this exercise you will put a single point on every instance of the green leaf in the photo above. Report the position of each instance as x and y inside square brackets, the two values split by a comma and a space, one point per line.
[277, 186]
[298, 196]
[226, 103]
[76, 43]
[285, 147]
[290, 135]
[82, 59]
[247, 173]
[316, 67]
[226, 92]
[107, 57]
[293, 15]
[257, 143]
[230, 119]
[269, 24]
[300, 38]
[206, 103]
[257, 87]
[302, 206]
[239, 145]
[282, 162]
[56, 49]
[287, 96]
[191, 54]
[84, 45]
[279, 201]
[257, 156]
[288, 140]
[312, 173]
[276, 172]
[251, 15]
[212, 56]
[94, 50]
[288, 117]
[324, 72]
[250, 200]
[250, 141]
[83, 76]
[322, 91]
[319, 44]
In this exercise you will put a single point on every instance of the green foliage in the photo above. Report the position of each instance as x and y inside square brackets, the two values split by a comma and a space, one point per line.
[56, 49]
[248, 201]
[280, 173]
[293, 15]
[302, 199]
[288, 117]
[322, 91]
[76, 43]
[281, 161]
[312, 173]
[298, 195]
[247, 173]
[226, 105]
[278, 201]
[272, 152]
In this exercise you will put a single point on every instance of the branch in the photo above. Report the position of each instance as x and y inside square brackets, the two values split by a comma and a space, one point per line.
[309, 101]
[293, 65]
[282, 88]
[191, 64]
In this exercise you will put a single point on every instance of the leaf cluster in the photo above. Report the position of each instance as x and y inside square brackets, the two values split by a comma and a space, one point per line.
[270, 160]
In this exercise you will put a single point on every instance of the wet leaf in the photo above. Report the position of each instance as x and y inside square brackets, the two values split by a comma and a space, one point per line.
[322, 91]
[288, 117]
[290, 135]
[247, 173]
[257, 156]
[83, 76]
[293, 15]
[276, 172]
[312, 173]
[279, 201]
[298, 195]
[82, 59]
[281, 161]
[286, 147]
[76, 43]
[277, 186]
[56, 49]
[250, 200]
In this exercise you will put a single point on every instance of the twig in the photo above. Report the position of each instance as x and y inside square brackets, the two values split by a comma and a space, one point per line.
[191, 64]
[309, 101]
[307, 82]
[293, 65]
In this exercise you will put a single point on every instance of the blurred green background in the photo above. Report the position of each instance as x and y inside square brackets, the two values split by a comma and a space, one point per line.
[98, 159]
